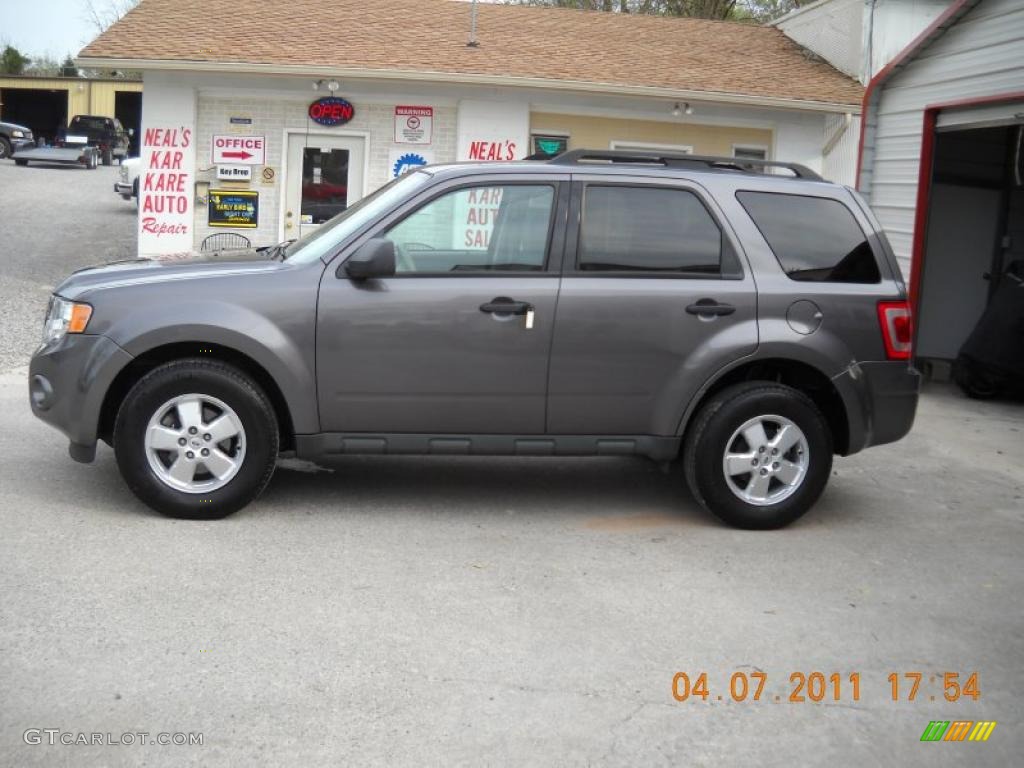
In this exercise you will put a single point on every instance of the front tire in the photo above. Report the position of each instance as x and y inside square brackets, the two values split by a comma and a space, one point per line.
[5, 148]
[196, 439]
[758, 455]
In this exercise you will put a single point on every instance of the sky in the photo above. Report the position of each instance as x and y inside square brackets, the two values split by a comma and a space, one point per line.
[40, 27]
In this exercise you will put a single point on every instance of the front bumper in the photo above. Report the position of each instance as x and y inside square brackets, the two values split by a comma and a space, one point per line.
[123, 189]
[881, 402]
[68, 380]
[17, 144]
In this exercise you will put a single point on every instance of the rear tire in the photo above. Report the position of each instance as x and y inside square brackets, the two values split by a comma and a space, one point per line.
[173, 478]
[108, 157]
[976, 384]
[742, 425]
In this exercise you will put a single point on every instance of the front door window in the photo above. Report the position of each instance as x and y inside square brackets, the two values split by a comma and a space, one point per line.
[324, 183]
[324, 176]
[477, 229]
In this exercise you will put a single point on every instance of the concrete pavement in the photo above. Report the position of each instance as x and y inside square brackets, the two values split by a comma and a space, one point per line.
[459, 611]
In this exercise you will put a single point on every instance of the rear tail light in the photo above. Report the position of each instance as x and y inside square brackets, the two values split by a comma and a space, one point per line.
[897, 329]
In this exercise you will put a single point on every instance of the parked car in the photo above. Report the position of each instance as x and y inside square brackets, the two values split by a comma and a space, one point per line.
[14, 137]
[105, 133]
[127, 184]
[750, 324]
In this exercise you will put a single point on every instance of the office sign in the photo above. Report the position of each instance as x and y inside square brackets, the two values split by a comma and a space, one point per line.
[239, 150]
[235, 208]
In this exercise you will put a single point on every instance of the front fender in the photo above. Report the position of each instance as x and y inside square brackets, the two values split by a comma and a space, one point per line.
[284, 351]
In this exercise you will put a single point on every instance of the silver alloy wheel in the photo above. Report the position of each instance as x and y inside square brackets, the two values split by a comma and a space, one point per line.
[195, 443]
[766, 460]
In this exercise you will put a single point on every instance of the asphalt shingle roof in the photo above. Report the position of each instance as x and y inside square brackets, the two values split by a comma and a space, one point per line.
[514, 41]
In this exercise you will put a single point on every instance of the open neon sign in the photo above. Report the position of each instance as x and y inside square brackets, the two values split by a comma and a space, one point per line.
[331, 110]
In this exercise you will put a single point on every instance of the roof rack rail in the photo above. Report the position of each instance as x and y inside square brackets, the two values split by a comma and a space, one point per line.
[678, 160]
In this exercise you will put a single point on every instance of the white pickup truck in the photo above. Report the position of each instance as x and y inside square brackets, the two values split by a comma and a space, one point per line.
[127, 184]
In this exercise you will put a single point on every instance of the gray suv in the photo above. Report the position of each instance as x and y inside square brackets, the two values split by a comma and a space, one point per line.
[750, 324]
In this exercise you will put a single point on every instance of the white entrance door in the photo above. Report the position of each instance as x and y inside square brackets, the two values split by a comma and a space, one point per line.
[324, 176]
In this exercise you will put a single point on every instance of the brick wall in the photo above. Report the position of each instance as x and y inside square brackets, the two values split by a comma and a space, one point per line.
[270, 118]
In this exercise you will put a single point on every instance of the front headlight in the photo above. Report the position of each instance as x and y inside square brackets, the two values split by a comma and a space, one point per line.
[123, 172]
[18, 134]
[63, 317]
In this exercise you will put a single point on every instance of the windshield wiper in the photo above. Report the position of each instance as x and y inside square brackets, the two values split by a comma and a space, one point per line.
[276, 252]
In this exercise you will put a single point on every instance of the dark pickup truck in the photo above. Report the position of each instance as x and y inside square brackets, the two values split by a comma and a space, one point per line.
[105, 133]
[14, 137]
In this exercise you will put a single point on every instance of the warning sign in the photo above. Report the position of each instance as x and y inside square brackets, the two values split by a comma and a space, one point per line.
[414, 125]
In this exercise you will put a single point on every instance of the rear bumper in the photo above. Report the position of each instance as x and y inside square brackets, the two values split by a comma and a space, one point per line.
[881, 402]
[67, 383]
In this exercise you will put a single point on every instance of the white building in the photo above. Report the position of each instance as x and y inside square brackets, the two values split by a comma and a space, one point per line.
[858, 37]
[264, 125]
[942, 143]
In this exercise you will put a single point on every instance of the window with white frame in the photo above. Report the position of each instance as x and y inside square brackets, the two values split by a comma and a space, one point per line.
[752, 152]
[654, 149]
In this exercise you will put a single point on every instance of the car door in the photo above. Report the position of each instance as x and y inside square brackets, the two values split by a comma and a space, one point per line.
[654, 300]
[458, 340]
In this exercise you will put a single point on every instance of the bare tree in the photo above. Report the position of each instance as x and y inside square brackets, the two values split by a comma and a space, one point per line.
[101, 14]
[736, 10]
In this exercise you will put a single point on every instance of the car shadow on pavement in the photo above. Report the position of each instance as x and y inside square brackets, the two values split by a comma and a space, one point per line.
[589, 486]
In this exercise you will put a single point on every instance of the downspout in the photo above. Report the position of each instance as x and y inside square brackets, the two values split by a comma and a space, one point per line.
[837, 135]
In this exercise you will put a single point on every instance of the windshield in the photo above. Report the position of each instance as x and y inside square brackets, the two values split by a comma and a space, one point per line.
[336, 230]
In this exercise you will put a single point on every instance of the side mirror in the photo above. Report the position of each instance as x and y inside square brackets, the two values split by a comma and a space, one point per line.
[374, 258]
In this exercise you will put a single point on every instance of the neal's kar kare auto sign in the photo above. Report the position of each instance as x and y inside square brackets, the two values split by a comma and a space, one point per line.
[165, 187]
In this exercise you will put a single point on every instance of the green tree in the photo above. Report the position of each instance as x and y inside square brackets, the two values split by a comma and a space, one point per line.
[13, 61]
[68, 68]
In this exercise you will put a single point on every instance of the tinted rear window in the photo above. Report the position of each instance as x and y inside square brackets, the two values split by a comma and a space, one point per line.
[648, 229]
[815, 239]
[89, 123]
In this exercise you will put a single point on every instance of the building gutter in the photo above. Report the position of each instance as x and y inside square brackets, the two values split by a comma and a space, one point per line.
[303, 70]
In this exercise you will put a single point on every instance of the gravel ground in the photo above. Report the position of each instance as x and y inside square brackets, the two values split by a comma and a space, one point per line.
[55, 219]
